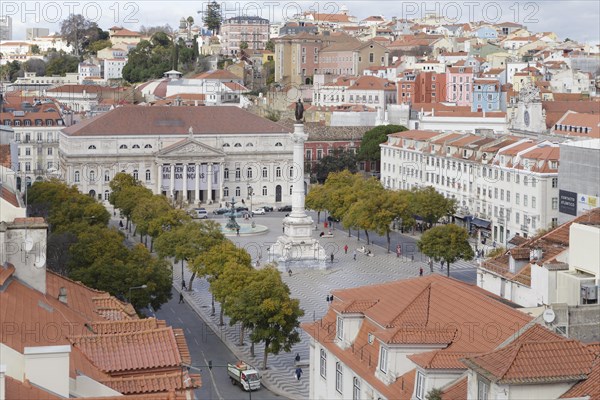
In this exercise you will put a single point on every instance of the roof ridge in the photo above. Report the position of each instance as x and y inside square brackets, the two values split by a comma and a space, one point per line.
[120, 334]
[411, 305]
[79, 283]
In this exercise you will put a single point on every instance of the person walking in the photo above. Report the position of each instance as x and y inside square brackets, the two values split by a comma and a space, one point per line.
[183, 284]
[354, 255]
[290, 272]
[346, 249]
[332, 258]
[297, 358]
[180, 298]
[431, 264]
[421, 271]
[298, 373]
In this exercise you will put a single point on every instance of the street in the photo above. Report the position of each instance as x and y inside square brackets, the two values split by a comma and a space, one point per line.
[205, 345]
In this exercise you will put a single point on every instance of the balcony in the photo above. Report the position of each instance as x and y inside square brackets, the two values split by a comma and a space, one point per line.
[524, 228]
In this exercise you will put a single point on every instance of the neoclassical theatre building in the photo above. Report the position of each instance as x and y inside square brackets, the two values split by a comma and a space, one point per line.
[191, 154]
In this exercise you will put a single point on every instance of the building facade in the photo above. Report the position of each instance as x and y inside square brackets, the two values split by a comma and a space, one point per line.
[189, 154]
[5, 28]
[254, 31]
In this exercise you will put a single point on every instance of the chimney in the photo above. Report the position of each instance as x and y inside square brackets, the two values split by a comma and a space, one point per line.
[48, 367]
[62, 295]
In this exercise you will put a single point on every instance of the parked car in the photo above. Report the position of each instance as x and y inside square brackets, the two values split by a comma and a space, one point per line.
[285, 208]
[220, 211]
[331, 219]
[259, 211]
[268, 208]
[241, 208]
[199, 213]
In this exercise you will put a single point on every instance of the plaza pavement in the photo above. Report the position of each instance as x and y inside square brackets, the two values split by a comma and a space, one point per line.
[311, 287]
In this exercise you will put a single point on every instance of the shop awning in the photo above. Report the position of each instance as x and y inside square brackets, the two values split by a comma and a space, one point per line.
[481, 223]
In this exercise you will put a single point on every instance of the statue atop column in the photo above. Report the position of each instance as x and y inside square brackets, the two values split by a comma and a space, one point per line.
[299, 111]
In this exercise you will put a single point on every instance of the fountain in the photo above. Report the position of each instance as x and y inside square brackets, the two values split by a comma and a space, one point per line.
[232, 228]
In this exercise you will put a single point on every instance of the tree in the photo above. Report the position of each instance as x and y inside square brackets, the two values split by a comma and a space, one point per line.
[147, 210]
[434, 394]
[316, 199]
[212, 17]
[150, 59]
[10, 71]
[274, 315]
[188, 241]
[35, 49]
[369, 145]
[35, 65]
[431, 205]
[339, 160]
[341, 191]
[243, 45]
[270, 46]
[98, 45]
[233, 280]
[447, 243]
[61, 63]
[79, 32]
[165, 222]
[151, 30]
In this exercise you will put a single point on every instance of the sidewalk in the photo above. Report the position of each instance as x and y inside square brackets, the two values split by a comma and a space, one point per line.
[311, 287]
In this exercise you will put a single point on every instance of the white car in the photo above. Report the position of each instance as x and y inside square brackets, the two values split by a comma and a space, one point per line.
[259, 211]
[199, 213]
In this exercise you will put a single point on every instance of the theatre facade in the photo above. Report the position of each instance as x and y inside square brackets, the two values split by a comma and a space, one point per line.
[193, 155]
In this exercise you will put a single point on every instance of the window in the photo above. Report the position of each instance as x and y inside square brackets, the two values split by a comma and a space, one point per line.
[554, 182]
[518, 198]
[106, 195]
[383, 360]
[148, 175]
[355, 389]
[420, 391]
[92, 176]
[123, 146]
[508, 195]
[135, 146]
[92, 147]
[525, 200]
[278, 172]
[148, 146]
[278, 144]
[135, 174]
[338, 377]
[525, 181]
[238, 175]
[265, 172]
[226, 174]
[106, 176]
[555, 203]
[323, 365]
[28, 151]
[291, 189]
[49, 151]
[237, 145]
[340, 328]
[533, 202]
[237, 191]
[226, 145]
[482, 390]
[264, 191]
[249, 173]
[77, 176]
[291, 172]
[517, 178]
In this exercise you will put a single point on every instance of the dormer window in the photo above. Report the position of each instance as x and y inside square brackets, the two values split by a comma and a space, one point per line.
[420, 390]
[226, 145]
[92, 147]
[278, 144]
[148, 146]
[237, 145]
[123, 146]
[135, 146]
[383, 358]
[339, 328]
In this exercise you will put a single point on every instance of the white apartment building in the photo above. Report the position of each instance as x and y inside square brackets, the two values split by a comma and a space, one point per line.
[36, 128]
[113, 68]
[367, 90]
[88, 70]
[189, 154]
[503, 186]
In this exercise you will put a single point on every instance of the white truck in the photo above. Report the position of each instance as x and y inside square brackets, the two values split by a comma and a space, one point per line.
[245, 375]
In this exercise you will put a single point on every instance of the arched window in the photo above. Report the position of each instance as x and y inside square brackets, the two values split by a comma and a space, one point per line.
[226, 174]
[291, 172]
[92, 176]
[123, 146]
[106, 195]
[237, 191]
[91, 147]
[278, 172]
[238, 173]
[291, 189]
[237, 145]
[226, 145]
[225, 192]
[249, 145]
[106, 176]
[135, 174]
[148, 146]
[148, 175]
[135, 146]
[77, 176]
[323, 365]
[249, 173]
[278, 144]
[265, 172]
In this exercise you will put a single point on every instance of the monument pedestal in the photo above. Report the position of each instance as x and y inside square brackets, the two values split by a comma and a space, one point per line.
[296, 248]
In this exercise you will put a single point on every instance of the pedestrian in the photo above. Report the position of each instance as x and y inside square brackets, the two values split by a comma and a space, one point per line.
[431, 265]
[331, 299]
[121, 224]
[297, 358]
[421, 271]
[327, 299]
[412, 257]
[354, 255]
[332, 257]
[237, 231]
[442, 265]
[346, 249]
[183, 284]
[180, 298]
[298, 373]
[289, 272]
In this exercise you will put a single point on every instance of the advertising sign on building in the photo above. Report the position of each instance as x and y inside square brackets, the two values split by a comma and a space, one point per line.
[586, 202]
[567, 203]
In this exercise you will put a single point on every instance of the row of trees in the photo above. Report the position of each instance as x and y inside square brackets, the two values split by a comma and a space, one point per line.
[83, 247]
[256, 299]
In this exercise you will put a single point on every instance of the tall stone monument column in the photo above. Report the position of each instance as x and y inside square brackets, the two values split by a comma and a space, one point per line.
[296, 247]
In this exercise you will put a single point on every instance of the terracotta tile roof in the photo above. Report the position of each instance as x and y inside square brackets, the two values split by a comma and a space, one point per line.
[125, 32]
[354, 306]
[156, 348]
[457, 391]
[557, 108]
[171, 381]
[447, 138]
[535, 362]
[422, 305]
[367, 82]
[323, 17]
[158, 120]
[236, 87]
[81, 88]
[219, 74]
[9, 196]
[584, 120]
[590, 386]
[439, 359]
[127, 326]
[416, 134]
[24, 390]
[6, 272]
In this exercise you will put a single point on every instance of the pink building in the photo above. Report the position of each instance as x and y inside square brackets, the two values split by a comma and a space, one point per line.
[459, 85]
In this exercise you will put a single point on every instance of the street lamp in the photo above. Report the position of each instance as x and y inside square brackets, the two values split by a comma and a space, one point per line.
[135, 287]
